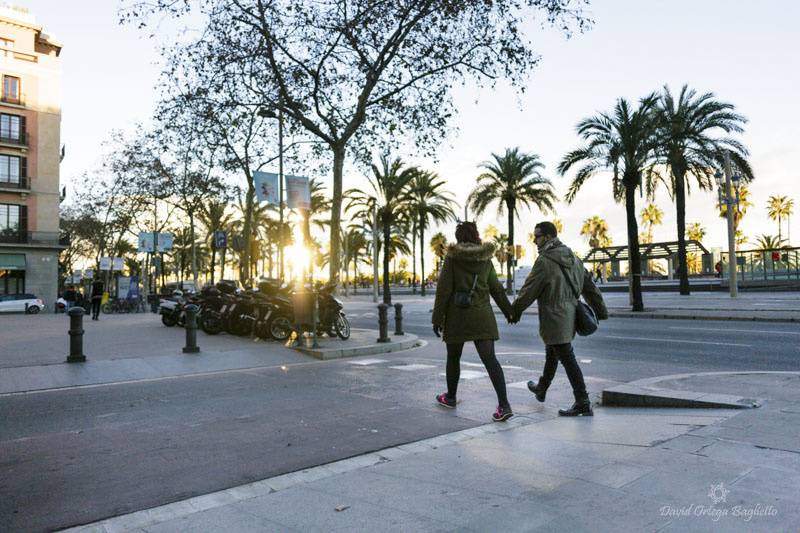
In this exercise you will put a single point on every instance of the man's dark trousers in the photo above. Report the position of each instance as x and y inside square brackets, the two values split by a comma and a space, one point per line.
[564, 353]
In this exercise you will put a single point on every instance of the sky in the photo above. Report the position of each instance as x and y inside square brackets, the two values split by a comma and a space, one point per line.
[745, 52]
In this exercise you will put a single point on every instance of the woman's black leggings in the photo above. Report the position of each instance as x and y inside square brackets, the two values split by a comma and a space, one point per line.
[486, 352]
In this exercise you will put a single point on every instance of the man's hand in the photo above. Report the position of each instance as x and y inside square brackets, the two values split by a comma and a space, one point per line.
[437, 329]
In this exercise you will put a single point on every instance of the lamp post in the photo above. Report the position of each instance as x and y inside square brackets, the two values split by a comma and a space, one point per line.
[731, 201]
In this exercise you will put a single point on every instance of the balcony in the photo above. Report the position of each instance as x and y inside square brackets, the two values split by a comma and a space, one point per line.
[22, 185]
[16, 139]
[18, 100]
[50, 238]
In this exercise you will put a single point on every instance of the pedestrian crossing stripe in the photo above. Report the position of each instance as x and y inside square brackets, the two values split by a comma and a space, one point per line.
[469, 374]
[412, 367]
[365, 362]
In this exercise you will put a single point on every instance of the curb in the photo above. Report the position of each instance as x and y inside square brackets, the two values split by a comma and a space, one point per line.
[646, 393]
[398, 344]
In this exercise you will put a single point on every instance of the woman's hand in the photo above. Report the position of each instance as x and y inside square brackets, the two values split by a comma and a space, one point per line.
[437, 329]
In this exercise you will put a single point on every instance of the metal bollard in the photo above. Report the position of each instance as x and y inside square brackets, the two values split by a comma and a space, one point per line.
[398, 319]
[191, 329]
[76, 335]
[383, 323]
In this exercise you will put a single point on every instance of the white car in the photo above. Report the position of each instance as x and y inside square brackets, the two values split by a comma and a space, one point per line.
[20, 303]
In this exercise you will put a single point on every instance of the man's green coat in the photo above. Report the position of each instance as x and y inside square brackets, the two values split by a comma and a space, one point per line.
[548, 285]
[462, 264]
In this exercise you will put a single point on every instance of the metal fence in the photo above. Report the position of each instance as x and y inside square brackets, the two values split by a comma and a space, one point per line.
[765, 265]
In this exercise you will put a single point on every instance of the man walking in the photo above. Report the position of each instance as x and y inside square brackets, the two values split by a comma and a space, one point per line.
[97, 298]
[554, 282]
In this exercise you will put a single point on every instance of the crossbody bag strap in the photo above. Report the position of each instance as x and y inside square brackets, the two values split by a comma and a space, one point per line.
[474, 283]
[568, 280]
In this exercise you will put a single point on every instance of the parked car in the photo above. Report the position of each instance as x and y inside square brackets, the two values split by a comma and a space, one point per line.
[20, 303]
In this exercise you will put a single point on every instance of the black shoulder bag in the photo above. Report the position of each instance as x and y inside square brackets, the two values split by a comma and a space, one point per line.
[463, 299]
[585, 319]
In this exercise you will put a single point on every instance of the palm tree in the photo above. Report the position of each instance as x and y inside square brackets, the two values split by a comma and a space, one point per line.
[355, 247]
[695, 232]
[213, 217]
[427, 202]
[652, 216]
[596, 229]
[390, 189]
[623, 142]
[439, 248]
[690, 148]
[770, 242]
[512, 180]
[779, 207]
[559, 225]
[741, 210]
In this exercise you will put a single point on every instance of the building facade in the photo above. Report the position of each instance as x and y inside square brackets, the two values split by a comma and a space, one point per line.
[30, 153]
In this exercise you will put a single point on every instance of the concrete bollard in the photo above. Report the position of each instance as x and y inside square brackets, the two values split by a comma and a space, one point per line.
[398, 319]
[383, 323]
[76, 335]
[191, 329]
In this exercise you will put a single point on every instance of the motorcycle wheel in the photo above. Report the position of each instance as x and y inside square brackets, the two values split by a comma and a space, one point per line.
[211, 325]
[342, 326]
[168, 320]
[280, 327]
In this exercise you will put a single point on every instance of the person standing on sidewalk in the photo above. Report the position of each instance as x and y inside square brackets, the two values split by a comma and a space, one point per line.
[462, 312]
[550, 283]
[97, 298]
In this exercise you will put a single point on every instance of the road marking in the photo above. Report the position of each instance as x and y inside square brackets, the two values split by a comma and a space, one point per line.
[409, 368]
[518, 385]
[465, 363]
[519, 353]
[470, 374]
[721, 330]
[587, 361]
[675, 340]
[365, 362]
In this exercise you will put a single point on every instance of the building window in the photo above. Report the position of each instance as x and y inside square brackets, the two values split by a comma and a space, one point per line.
[12, 128]
[13, 223]
[11, 169]
[11, 89]
[12, 281]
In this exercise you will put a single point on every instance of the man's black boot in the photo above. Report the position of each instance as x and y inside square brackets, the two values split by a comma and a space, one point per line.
[577, 409]
[538, 390]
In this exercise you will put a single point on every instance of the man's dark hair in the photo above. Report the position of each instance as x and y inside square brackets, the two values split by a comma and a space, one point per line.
[468, 232]
[547, 228]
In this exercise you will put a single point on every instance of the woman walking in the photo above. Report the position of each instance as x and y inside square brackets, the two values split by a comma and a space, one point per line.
[462, 312]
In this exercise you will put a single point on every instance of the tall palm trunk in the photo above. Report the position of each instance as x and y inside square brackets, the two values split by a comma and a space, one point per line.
[413, 261]
[387, 231]
[422, 258]
[634, 258]
[213, 262]
[510, 252]
[680, 206]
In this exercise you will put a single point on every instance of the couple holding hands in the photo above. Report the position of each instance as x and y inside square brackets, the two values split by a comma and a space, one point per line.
[462, 312]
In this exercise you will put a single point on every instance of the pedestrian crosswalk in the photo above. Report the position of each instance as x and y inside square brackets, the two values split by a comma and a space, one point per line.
[469, 370]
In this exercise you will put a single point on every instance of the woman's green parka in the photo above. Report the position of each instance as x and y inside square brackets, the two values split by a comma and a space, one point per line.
[461, 264]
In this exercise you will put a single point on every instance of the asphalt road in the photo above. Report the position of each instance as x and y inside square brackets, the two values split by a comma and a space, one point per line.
[70, 457]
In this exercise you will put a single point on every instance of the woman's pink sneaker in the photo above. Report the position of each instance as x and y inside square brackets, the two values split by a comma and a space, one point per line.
[502, 414]
[446, 401]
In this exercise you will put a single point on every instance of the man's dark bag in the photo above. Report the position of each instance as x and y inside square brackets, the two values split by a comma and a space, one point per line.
[463, 299]
[585, 319]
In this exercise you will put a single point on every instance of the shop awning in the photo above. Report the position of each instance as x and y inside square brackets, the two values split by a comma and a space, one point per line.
[12, 261]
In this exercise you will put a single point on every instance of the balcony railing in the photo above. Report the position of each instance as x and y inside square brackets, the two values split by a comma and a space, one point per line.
[22, 183]
[16, 100]
[33, 237]
[20, 139]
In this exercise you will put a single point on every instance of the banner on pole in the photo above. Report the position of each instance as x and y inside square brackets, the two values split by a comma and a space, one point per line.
[267, 186]
[89, 274]
[146, 242]
[105, 263]
[298, 193]
[133, 289]
[165, 241]
[123, 286]
[118, 264]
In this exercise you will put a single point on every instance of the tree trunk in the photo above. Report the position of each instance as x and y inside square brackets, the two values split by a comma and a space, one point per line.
[336, 212]
[422, 259]
[244, 265]
[387, 230]
[634, 258]
[414, 261]
[213, 262]
[194, 249]
[680, 206]
[510, 252]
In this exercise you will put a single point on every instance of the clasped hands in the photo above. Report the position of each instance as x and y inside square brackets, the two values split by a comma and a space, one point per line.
[511, 317]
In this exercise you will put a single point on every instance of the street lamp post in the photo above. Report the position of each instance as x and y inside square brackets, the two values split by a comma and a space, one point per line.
[731, 201]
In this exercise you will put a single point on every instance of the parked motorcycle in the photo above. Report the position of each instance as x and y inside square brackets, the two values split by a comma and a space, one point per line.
[332, 319]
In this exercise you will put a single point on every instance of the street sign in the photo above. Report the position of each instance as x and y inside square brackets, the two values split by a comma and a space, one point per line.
[123, 286]
[105, 263]
[298, 193]
[220, 239]
[741, 261]
[89, 274]
[267, 186]
[146, 242]
[118, 264]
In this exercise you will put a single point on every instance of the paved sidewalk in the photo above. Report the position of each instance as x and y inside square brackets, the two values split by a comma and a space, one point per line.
[623, 470]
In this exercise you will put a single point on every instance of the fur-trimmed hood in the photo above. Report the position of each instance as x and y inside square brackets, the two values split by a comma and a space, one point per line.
[470, 253]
